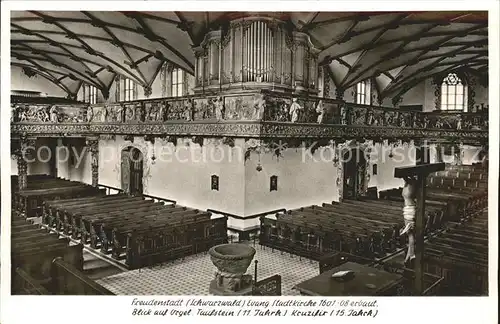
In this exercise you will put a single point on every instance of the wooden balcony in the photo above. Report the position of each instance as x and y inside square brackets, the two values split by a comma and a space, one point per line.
[249, 114]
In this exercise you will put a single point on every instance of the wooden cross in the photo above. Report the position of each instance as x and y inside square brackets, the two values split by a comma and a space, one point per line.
[419, 173]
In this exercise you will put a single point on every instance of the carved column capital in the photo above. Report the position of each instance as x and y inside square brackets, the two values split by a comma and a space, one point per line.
[147, 91]
[339, 93]
[380, 99]
[396, 101]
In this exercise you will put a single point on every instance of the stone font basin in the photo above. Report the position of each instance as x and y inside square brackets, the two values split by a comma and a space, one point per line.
[232, 258]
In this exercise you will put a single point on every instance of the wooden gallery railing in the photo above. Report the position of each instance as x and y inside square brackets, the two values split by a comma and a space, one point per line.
[257, 105]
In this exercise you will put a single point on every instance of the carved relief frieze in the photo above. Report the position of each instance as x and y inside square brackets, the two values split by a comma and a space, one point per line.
[266, 129]
[200, 116]
[48, 113]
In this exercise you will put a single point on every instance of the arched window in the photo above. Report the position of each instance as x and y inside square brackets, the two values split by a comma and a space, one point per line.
[128, 90]
[89, 94]
[177, 82]
[361, 93]
[453, 93]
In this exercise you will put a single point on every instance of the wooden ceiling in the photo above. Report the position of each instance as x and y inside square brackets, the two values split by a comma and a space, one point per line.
[396, 49]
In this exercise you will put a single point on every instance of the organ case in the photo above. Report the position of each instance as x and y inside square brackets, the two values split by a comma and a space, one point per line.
[256, 53]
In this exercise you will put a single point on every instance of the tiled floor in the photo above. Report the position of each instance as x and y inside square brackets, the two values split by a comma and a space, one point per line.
[193, 275]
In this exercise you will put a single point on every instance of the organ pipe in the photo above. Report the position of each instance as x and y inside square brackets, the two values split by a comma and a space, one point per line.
[220, 63]
[242, 53]
[264, 51]
[255, 37]
[269, 55]
[266, 56]
[247, 36]
[282, 59]
[231, 56]
[250, 54]
[258, 49]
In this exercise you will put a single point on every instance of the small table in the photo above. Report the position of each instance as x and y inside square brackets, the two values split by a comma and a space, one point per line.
[367, 281]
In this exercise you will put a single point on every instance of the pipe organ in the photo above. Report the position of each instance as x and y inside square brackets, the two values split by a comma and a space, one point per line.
[256, 53]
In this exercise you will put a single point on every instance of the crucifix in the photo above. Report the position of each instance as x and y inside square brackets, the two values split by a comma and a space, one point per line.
[414, 214]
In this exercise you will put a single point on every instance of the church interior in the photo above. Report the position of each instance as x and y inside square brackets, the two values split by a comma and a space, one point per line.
[249, 153]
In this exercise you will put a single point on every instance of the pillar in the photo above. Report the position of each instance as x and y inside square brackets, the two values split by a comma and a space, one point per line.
[22, 163]
[168, 79]
[93, 146]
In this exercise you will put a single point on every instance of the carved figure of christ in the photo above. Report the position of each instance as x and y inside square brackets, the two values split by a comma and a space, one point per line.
[413, 214]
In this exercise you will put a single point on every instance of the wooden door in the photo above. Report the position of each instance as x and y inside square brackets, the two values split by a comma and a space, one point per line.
[125, 171]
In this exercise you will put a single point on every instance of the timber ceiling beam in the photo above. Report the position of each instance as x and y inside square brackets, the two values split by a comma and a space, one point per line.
[118, 43]
[148, 33]
[418, 59]
[82, 76]
[50, 20]
[45, 74]
[404, 87]
[393, 24]
[400, 49]
[64, 47]
[399, 77]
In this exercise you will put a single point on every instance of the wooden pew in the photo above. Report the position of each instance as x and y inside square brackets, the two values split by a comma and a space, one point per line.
[115, 229]
[383, 233]
[31, 200]
[32, 253]
[313, 236]
[462, 252]
[36, 260]
[392, 211]
[120, 219]
[120, 231]
[75, 219]
[149, 246]
[60, 214]
[24, 284]
[68, 280]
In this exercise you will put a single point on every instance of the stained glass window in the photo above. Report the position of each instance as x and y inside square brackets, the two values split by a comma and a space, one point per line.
[453, 93]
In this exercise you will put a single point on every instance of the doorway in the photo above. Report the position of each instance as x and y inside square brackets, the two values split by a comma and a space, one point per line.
[354, 164]
[132, 170]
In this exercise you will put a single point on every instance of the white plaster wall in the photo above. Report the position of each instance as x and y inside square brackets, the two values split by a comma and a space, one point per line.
[37, 158]
[77, 168]
[415, 96]
[182, 172]
[403, 155]
[19, 81]
[302, 180]
[470, 154]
